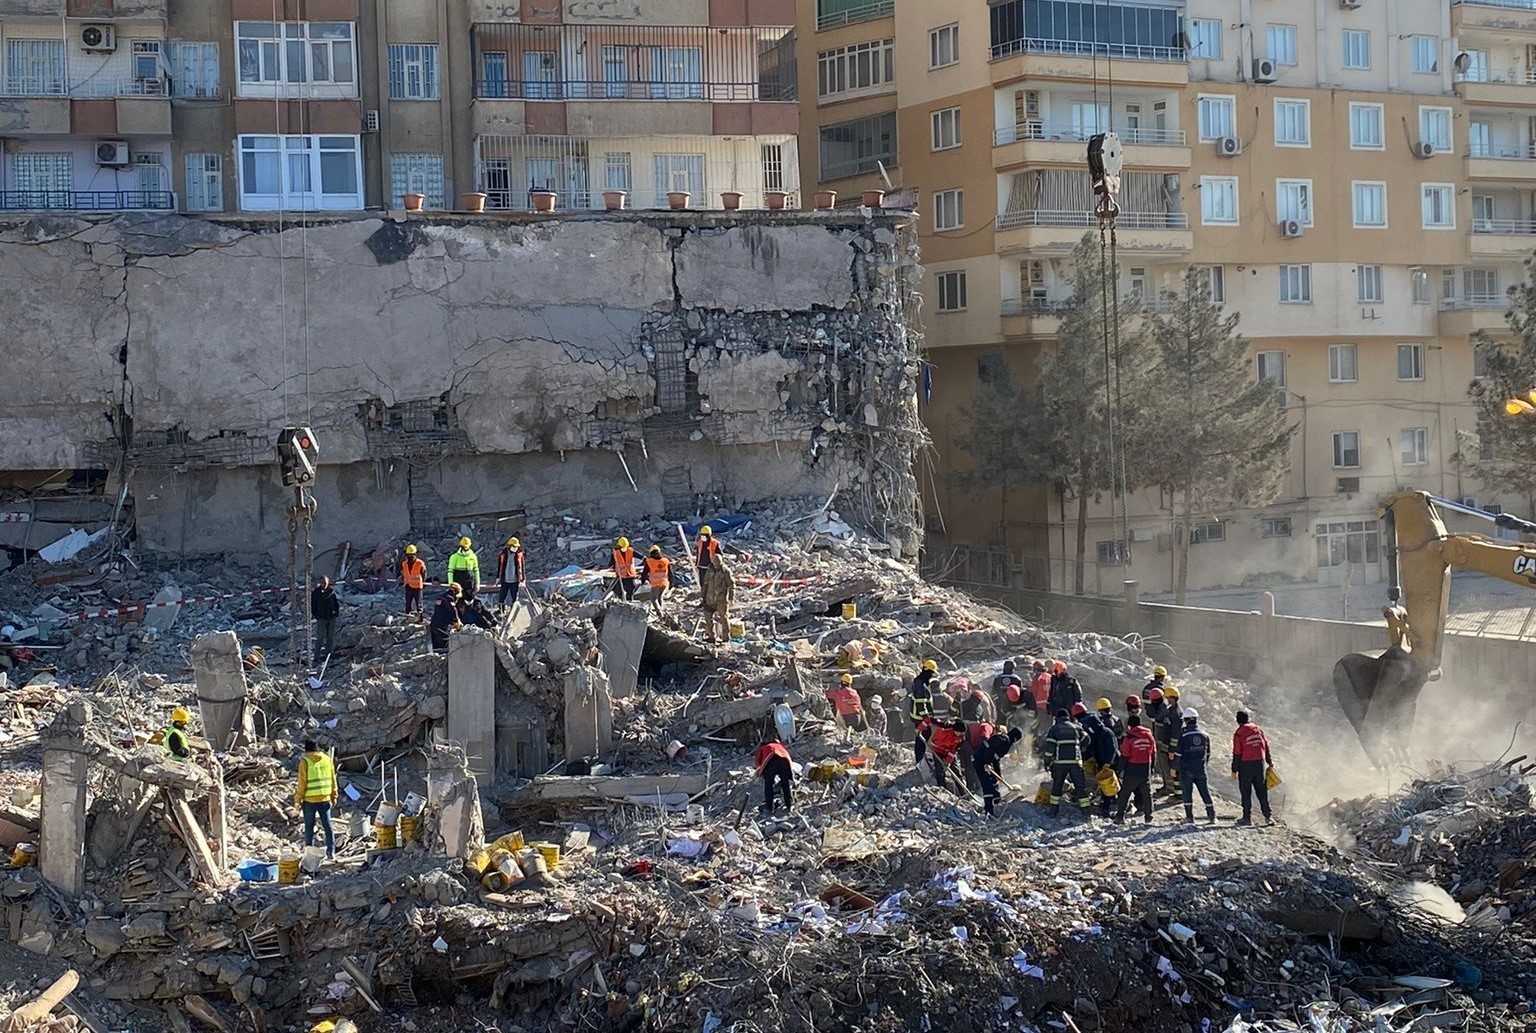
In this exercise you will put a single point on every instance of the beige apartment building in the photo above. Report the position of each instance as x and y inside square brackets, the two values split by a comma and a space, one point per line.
[337, 105]
[1355, 178]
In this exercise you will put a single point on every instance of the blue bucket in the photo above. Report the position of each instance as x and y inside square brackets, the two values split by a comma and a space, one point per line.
[256, 871]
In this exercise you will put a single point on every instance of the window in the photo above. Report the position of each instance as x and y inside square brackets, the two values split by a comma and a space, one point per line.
[773, 166]
[1217, 117]
[38, 172]
[1438, 204]
[1346, 449]
[617, 173]
[1112, 554]
[1275, 527]
[1477, 66]
[952, 291]
[1368, 284]
[204, 191]
[1447, 284]
[1205, 38]
[1218, 200]
[1088, 118]
[1482, 212]
[1414, 442]
[676, 73]
[1365, 127]
[943, 46]
[148, 66]
[1271, 367]
[1410, 362]
[1293, 200]
[194, 69]
[272, 54]
[851, 148]
[301, 172]
[863, 67]
[1420, 278]
[1357, 48]
[1293, 120]
[1347, 541]
[1210, 531]
[1213, 279]
[1426, 55]
[1341, 364]
[417, 174]
[949, 209]
[677, 172]
[946, 128]
[1481, 285]
[1370, 204]
[1296, 284]
[1281, 44]
[34, 67]
[493, 74]
[149, 174]
[413, 72]
[1435, 127]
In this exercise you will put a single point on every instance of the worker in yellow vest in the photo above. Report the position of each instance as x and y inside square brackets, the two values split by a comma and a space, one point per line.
[316, 793]
[175, 739]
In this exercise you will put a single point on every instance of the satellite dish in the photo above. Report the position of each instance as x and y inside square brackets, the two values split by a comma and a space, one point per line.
[1463, 61]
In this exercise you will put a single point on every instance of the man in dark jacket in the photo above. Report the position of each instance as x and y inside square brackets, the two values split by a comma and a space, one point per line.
[1064, 690]
[1106, 712]
[1064, 751]
[1159, 677]
[920, 702]
[1190, 757]
[1001, 684]
[1170, 725]
[1250, 763]
[325, 608]
[1100, 748]
[445, 617]
[987, 763]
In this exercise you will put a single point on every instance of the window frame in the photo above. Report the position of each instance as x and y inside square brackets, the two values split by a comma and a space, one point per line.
[281, 45]
[1276, 354]
[1201, 533]
[1354, 200]
[1363, 278]
[1215, 277]
[952, 30]
[1336, 354]
[1414, 350]
[956, 197]
[1282, 186]
[1344, 38]
[1447, 190]
[1305, 107]
[1295, 43]
[425, 65]
[214, 168]
[1433, 51]
[957, 278]
[315, 199]
[404, 161]
[1210, 220]
[1420, 442]
[1341, 452]
[1303, 283]
[843, 63]
[1450, 127]
[1198, 38]
[1224, 100]
[1381, 120]
[936, 122]
[1269, 527]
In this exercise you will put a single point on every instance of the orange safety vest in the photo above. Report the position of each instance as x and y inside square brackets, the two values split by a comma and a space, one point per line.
[624, 562]
[413, 572]
[706, 550]
[658, 571]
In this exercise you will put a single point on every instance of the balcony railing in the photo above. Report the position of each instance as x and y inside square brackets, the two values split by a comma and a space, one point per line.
[1471, 301]
[87, 201]
[1080, 48]
[512, 89]
[94, 89]
[1507, 76]
[1085, 220]
[859, 167]
[1508, 227]
[1510, 152]
[1046, 131]
[1524, 5]
[849, 15]
[1037, 306]
[35, 86]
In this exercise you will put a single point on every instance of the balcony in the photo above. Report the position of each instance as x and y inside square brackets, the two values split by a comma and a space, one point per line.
[1513, 164]
[1036, 143]
[1502, 238]
[831, 14]
[87, 201]
[94, 10]
[1034, 319]
[1499, 86]
[1494, 15]
[1058, 232]
[1078, 61]
[1462, 317]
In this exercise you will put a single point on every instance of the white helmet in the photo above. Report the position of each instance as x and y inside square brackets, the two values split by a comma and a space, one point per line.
[1191, 714]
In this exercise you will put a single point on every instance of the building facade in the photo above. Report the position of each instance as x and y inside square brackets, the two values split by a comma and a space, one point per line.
[1354, 178]
[341, 105]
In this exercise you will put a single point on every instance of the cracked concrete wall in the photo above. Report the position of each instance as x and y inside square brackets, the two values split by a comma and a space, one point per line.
[687, 340]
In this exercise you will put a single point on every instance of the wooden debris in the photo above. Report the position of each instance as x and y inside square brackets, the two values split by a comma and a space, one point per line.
[41, 1006]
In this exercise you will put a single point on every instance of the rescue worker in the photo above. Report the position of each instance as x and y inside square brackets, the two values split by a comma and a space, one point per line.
[624, 568]
[977, 705]
[705, 548]
[325, 608]
[1106, 713]
[1132, 709]
[717, 588]
[316, 794]
[1006, 680]
[445, 618]
[874, 715]
[1137, 751]
[1100, 749]
[476, 614]
[941, 739]
[413, 575]
[175, 737]
[1064, 752]
[987, 762]
[1159, 676]
[920, 701]
[1190, 757]
[1040, 695]
[771, 764]
[847, 707]
[1169, 727]
[1250, 763]
[511, 570]
[1152, 719]
[658, 574]
[976, 733]
[464, 568]
[1065, 691]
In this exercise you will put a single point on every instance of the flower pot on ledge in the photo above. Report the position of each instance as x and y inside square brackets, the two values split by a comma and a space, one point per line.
[730, 200]
[614, 200]
[413, 202]
[872, 198]
[826, 200]
[472, 202]
[543, 200]
[677, 200]
[773, 200]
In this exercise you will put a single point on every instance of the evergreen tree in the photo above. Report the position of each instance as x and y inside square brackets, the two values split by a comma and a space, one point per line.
[1509, 373]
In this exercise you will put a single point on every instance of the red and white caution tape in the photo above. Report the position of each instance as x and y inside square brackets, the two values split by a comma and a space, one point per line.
[15, 518]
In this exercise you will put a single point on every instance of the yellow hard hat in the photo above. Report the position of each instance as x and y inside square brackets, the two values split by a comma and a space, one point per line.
[455, 589]
[180, 716]
[1103, 704]
[930, 665]
[514, 542]
[706, 530]
[846, 679]
[464, 543]
[1169, 692]
[410, 550]
[655, 550]
[1159, 671]
[623, 542]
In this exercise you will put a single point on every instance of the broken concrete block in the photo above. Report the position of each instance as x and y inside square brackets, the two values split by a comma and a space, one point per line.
[221, 687]
[38, 942]
[148, 926]
[622, 642]
[105, 936]
[472, 698]
[588, 713]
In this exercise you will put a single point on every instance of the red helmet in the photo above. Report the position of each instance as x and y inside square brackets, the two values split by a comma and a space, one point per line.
[1154, 695]
[1078, 710]
[1013, 694]
[1059, 668]
[1133, 702]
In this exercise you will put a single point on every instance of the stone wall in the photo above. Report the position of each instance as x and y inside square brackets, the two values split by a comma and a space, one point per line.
[453, 366]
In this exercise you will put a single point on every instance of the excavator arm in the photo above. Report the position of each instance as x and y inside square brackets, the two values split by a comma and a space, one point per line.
[1379, 691]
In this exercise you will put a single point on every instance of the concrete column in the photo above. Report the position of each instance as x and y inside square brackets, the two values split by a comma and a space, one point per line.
[1132, 606]
[472, 699]
[221, 686]
[588, 713]
[622, 642]
[61, 852]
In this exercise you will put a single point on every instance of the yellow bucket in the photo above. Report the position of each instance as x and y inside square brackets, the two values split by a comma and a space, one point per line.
[738, 630]
[549, 851]
[24, 856]
[384, 836]
[512, 841]
[288, 870]
[1271, 778]
[410, 829]
[494, 881]
[478, 862]
[850, 611]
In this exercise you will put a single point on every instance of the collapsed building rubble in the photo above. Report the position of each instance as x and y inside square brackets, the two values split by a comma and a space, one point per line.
[586, 849]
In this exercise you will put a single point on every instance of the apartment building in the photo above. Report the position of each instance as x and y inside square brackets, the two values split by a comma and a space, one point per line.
[338, 105]
[1355, 178]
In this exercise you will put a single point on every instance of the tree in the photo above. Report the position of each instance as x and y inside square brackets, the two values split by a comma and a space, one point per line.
[1507, 441]
[1221, 438]
[997, 436]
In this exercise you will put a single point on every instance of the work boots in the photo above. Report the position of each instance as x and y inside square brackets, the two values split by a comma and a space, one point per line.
[1056, 810]
[1210, 815]
[1189, 815]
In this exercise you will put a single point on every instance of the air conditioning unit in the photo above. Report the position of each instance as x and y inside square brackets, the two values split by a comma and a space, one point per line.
[1424, 149]
[1348, 485]
[1264, 70]
[1290, 228]
[371, 120]
[112, 153]
[99, 38]
[1229, 147]
[1351, 5]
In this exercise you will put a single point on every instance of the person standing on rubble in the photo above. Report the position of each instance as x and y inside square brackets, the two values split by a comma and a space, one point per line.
[847, 707]
[977, 705]
[920, 701]
[1040, 695]
[874, 716]
[464, 568]
[1159, 677]
[1152, 719]
[175, 735]
[1190, 756]
[1250, 763]
[771, 763]
[413, 575]
[941, 738]
[1002, 700]
[1100, 750]
[717, 588]
[325, 607]
[445, 618]
[315, 794]
[705, 548]
[1064, 751]
[624, 568]
[1137, 751]
[658, 574]
[1106, 712]
[1065, 692]
[511, 571]
[1169, 727]
[987, 764]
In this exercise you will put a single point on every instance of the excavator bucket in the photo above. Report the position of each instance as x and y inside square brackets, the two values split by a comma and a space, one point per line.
[1379, 693]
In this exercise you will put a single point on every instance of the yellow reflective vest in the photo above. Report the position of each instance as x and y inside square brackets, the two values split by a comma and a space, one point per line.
[317, 779]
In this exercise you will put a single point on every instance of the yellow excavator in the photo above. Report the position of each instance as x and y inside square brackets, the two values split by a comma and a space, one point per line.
[1380, 690]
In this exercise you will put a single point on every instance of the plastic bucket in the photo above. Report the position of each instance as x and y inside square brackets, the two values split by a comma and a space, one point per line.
[478, 862]
[512, 841]
[384, 836]
[549, 851]
[494, 881]
[696, 813]
[314, 857]
[25, 855]
[357, 824]
[251, 870]
[673, 749]
[410, 829]
[288, 870]
[850, 611]
[387, 814]
[738, 630]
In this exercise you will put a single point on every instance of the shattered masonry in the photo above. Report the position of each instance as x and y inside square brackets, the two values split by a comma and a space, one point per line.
[453, 368]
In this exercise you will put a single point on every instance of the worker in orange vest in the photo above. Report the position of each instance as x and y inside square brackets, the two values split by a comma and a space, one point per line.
[705, 548]
[658, 574]
[624, 568]
[413, 575]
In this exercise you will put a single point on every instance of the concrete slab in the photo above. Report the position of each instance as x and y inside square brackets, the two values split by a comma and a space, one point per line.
[472, 699]
[61, 850]
[622, 641]
[588, 713]
[221, 685]
[599, 788]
